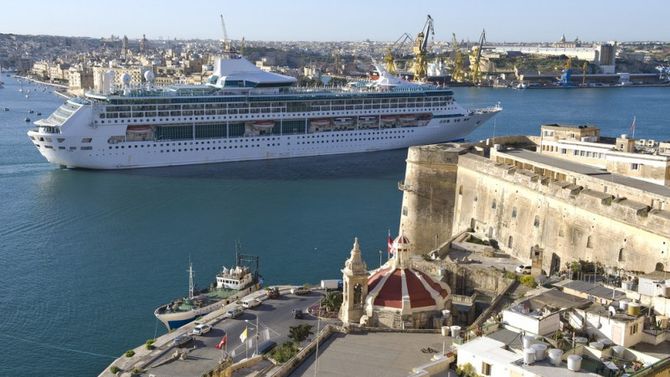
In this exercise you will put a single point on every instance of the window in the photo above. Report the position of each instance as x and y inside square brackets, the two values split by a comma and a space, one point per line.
[536, 222]
[634, 166]
[621, 256]
[493, 205]
[589, 243]
[564, 151]
[633, 329]
[510, 241]
[514, 212]
[486, 369]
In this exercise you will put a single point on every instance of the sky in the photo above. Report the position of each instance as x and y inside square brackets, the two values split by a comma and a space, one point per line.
[342, 20]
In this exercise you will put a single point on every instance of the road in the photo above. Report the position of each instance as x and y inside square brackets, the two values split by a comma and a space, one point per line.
[275, 314]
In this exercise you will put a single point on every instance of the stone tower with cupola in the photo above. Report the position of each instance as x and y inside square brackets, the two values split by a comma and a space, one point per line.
[355, 289]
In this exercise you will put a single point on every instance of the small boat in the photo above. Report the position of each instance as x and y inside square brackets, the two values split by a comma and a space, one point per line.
[27, 96]
[229, 282]
[39, 113]
[31, 111]
[27, 120]
[6, 108]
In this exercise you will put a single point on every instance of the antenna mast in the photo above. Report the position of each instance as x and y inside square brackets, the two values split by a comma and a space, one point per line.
[191, 287]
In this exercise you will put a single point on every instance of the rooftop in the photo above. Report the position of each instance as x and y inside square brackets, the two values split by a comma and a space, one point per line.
[372, 354]
[573, 167]
[591, 289]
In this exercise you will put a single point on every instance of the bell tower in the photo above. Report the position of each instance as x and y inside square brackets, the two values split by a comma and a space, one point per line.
[355, 279]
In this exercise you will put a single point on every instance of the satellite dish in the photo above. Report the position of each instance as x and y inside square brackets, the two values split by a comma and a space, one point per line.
[149, 76]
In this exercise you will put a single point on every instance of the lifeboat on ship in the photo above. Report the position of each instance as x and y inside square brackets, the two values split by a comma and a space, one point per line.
[316, 125]
[135, 133]
[367, 121]
[344, 123]
[264, 125]
[407, 120]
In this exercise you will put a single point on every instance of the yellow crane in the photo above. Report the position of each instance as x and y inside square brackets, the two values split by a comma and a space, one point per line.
[420, 48]
[478, 58]
[457, 69]
[389, 59]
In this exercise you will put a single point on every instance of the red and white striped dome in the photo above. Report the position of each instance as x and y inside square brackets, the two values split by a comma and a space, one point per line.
[407, 289]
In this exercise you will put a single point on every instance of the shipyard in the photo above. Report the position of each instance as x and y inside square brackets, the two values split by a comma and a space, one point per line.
[455, 189]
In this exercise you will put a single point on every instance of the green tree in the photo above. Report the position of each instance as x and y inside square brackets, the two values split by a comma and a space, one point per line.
[300, 332]
[333, 301]
[466, 370]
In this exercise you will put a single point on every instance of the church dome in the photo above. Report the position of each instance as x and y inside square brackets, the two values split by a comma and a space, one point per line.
[407, 289]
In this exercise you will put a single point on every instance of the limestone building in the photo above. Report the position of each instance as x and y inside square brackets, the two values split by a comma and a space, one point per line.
[537, 204]
[397, 295]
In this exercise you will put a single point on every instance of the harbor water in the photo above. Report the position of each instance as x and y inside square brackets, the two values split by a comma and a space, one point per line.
[86, 256]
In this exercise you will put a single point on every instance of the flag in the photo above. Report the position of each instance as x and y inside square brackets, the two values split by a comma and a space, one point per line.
[244, 335]
[389, 244]
[223, 342]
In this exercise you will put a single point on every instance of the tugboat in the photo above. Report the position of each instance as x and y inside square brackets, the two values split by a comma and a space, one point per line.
[229, 282]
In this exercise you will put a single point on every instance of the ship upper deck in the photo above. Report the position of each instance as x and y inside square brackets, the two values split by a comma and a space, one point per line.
[203, 93]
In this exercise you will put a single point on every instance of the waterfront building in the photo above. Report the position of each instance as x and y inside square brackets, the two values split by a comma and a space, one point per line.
[583, 144]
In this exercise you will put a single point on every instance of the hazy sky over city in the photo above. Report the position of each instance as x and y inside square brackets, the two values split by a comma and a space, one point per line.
[337, 20]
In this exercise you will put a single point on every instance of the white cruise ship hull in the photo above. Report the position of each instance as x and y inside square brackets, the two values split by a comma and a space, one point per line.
[87, 147]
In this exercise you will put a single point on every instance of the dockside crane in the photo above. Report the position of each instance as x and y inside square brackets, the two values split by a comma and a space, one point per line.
[225, 41]
[585, 67]
[478, 58]
[457, 57]
[389, 58]
[420, 48]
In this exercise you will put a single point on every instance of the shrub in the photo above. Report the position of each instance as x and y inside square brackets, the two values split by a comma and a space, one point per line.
[466, 370]
[150, 344]
[284, 352]
[114, 369]
[130, 353]
[528, 281]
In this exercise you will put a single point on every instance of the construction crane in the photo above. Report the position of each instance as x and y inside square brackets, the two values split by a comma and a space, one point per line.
[225, 41]
[585, 66]
[420, 49]
[478, 58]
[457, 57]
[389, 59]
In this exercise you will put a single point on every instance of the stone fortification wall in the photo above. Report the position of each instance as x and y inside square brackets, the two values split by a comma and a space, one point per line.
[554, 222]
[428, 195]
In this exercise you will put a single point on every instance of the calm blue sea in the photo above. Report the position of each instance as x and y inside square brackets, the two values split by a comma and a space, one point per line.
[85, 256]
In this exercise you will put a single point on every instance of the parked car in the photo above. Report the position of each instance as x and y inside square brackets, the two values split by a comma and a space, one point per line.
[234, 312]
[523, 269]
[181, 339]
[300, 291]
[273, 292]
[298, 314]
[251, 303]
[201, 329]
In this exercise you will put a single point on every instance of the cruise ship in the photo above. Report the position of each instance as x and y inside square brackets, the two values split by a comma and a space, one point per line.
[245, 113]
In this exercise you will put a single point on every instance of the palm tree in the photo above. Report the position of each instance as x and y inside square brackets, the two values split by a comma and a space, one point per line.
[300, 332]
